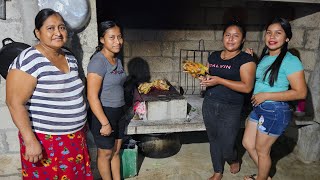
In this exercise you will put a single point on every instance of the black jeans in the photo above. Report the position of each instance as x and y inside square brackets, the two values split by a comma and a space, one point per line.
[222, 123]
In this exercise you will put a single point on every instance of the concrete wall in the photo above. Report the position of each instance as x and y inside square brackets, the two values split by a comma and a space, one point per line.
[9, 147]
[19, 25]
[164, 45]
[160, 44]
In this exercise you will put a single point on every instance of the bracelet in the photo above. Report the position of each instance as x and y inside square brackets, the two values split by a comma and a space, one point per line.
[106, 124]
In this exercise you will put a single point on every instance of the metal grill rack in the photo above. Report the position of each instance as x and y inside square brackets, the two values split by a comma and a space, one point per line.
[189, 84]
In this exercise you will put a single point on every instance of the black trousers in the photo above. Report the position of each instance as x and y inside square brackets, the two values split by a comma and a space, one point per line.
[222, 123]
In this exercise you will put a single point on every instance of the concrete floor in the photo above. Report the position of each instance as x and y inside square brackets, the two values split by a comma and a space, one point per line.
[193, 162]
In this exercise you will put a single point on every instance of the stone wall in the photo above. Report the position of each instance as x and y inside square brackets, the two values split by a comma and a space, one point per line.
[19, 25]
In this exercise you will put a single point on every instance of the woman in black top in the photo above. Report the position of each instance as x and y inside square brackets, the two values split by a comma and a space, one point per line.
[231, 74]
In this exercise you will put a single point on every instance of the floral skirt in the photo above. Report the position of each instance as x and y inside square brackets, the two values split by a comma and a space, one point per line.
[65, 157]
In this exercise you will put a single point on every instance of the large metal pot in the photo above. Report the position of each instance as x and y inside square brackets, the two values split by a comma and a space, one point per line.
[159, 145]
[8, 53]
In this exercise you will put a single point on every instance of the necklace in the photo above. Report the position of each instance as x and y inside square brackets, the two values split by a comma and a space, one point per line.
[225, 57]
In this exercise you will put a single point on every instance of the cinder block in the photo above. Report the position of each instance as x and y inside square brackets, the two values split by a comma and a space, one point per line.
[200, 34]
[308, 59]
[171, 35]
[10, 165]
[146, 48]
[6, 121]
[218, 34]
[253, 35]
[160, 64]
[297, 38]
[184, 45]
[307, 149]
[312, 39]
[167, 49]
[166, 110]
[3, 144]
[13, 10]
[13, 141]
[213, 45]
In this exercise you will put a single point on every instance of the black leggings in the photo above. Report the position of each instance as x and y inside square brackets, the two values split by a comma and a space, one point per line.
[222, 123]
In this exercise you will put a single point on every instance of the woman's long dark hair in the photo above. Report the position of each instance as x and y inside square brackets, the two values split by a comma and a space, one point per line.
[102, 28]
[275, 66]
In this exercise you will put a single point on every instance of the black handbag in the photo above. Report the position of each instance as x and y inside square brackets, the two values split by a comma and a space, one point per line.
[8, 53]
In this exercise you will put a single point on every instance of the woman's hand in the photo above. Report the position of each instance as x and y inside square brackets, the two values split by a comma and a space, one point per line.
[209, 81]
[33, 151]
[106, 130]
[249, 51]
[259, 98]
[202, 78]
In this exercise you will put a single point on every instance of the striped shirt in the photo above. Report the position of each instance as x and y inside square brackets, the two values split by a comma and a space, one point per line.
[57, 105]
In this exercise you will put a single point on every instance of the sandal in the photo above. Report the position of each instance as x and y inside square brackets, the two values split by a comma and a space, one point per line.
[251, 177]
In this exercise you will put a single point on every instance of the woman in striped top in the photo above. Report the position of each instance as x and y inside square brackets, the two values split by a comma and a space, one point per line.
[44, 96]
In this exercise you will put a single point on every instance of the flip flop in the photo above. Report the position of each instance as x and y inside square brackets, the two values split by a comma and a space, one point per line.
[251, 177]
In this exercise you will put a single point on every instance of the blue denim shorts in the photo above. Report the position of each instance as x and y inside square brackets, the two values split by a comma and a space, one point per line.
[272, 117]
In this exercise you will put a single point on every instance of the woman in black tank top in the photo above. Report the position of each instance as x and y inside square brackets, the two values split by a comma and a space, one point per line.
[231, 74]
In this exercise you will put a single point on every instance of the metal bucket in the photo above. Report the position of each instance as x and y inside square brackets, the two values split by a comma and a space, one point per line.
[159, 145]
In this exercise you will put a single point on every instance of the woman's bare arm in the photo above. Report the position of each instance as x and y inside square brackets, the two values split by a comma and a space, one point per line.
[94, 83]
[19, 88]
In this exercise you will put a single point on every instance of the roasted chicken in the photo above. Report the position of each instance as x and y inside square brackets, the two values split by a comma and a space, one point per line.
[194, 68]
[159, 84]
